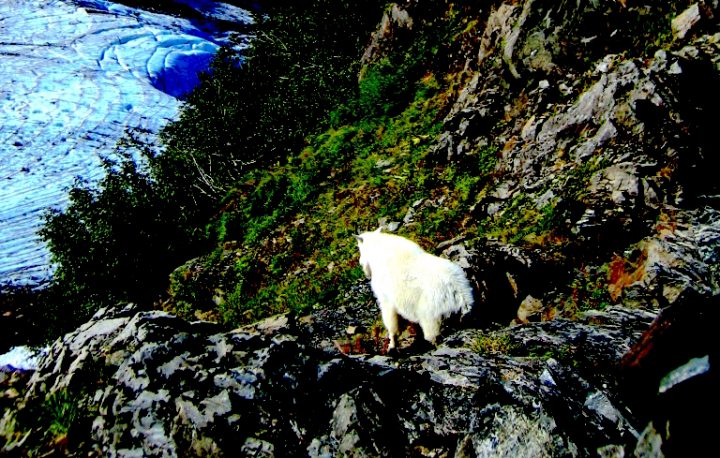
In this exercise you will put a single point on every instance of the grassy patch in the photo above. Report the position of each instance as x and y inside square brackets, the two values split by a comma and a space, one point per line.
[55, 425]
[61, 412]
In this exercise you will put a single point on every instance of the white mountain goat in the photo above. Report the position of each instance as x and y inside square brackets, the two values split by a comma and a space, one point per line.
[412, 283]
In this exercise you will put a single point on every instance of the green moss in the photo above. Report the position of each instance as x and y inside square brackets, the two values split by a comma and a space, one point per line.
[492, 344]
[520, 220]
[576, 185]
[563, 353]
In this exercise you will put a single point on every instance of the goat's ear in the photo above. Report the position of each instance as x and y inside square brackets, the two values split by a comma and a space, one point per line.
[378, 230]
[358, 238]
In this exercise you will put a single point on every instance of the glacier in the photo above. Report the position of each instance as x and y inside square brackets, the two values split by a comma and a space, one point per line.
[74, 77]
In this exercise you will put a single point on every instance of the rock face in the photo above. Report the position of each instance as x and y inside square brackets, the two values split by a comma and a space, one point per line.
[149, 384]
[601, 145]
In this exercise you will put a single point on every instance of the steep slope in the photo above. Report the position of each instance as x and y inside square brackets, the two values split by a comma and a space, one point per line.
[557, 151]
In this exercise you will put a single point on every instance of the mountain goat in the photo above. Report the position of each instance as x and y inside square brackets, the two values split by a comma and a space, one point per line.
[412, 283]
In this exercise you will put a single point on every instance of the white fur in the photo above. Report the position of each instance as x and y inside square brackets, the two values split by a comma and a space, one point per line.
[412, 283]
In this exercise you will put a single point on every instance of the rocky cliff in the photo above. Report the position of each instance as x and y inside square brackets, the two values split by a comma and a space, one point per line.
[596, 233]
[134, 383]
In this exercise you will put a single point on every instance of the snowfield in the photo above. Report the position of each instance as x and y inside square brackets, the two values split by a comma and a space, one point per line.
[74, 75]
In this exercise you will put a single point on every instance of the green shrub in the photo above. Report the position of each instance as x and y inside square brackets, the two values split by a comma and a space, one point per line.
[117, 241]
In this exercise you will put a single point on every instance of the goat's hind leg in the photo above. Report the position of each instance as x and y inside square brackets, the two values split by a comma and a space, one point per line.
[390, 320]
[431, 329]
